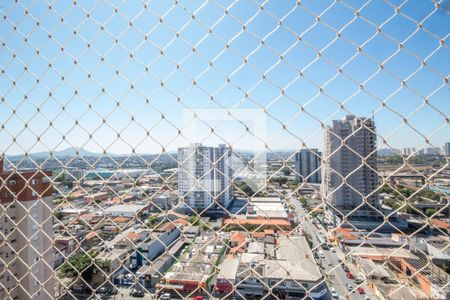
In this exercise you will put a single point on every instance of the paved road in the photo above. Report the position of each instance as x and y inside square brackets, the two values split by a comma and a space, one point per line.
[330, 263]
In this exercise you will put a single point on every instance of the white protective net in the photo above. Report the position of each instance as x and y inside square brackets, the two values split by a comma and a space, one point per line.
[224, 149]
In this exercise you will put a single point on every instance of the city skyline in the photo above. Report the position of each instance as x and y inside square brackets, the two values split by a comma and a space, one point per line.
[224, 149]
[299, 91]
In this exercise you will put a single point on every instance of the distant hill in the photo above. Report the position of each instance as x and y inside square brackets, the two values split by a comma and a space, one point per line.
[69, 152]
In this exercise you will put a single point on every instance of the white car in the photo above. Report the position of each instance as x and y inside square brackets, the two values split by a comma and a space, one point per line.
[334, 294]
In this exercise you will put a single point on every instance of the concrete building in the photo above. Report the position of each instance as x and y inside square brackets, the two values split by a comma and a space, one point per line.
[204, 176]
[154, 244]
[307, 166]
[447, 149]
[432, 151]
[409, 151]
[126, 210]
[26, 251]
[350, 175]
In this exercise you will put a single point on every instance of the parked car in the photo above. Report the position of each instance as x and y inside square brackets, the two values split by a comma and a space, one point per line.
[137, 293]
[165, 296]
[361, 291]
[348, 286]
[358, 280]
[346, 270]
[198, 298]
[334, 294]
[389, 281]
[350, 275]
[81, 289]
[102, 290]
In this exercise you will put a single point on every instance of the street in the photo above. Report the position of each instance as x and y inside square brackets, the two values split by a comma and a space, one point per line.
[330, 261]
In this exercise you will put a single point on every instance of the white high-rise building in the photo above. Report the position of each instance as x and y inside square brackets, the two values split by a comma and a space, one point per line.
[447, 149]
[307, 165]
[409, 151]
[350, 168]
[204, 176]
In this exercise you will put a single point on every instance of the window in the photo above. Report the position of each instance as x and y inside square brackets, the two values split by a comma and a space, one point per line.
[13, 241]
[34, 181]
[12, 182]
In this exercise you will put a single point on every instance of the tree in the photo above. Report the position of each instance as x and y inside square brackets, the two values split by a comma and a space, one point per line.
[279, 180]
[58, 214]
[104, 264]
[286, 171]
[78, 264]
[193, 220]
[430, 211]
[303, 201]
[152, 220]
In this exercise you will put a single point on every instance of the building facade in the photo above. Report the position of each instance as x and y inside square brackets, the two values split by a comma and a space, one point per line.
[204, 176]
[447, 149]
[26, 251]
[307, 166]
[350, 175]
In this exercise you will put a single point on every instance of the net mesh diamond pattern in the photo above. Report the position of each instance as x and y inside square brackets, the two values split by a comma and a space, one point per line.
[234, 149]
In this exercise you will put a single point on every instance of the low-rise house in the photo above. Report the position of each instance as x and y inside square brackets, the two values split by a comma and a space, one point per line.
[116, 257]
[63, 247]
[290, 271]
[126, 210]
[150, 274]
[154, 244]
[432, 279]
[96, 197]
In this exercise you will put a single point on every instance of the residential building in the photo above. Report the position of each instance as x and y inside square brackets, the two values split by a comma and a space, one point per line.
[307, 165]
[156, 243]
[96, 197]
[204, 176]
[409, 151]
[285, 266]
[432, 151]
[388, 152]
[350, 175]
[126, 210]
[447, 149]
[26, 250]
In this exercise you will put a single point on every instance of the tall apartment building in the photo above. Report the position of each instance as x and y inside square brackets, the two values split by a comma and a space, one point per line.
[447, 149]
[409, 151]
[307, 165]
[204, 176]
[26, 251]
[349, 153]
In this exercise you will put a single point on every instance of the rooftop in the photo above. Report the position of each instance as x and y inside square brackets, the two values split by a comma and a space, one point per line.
[125, 208]
[229, 268]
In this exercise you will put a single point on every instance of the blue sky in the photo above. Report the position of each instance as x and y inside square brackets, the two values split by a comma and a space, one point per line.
[104, 72]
